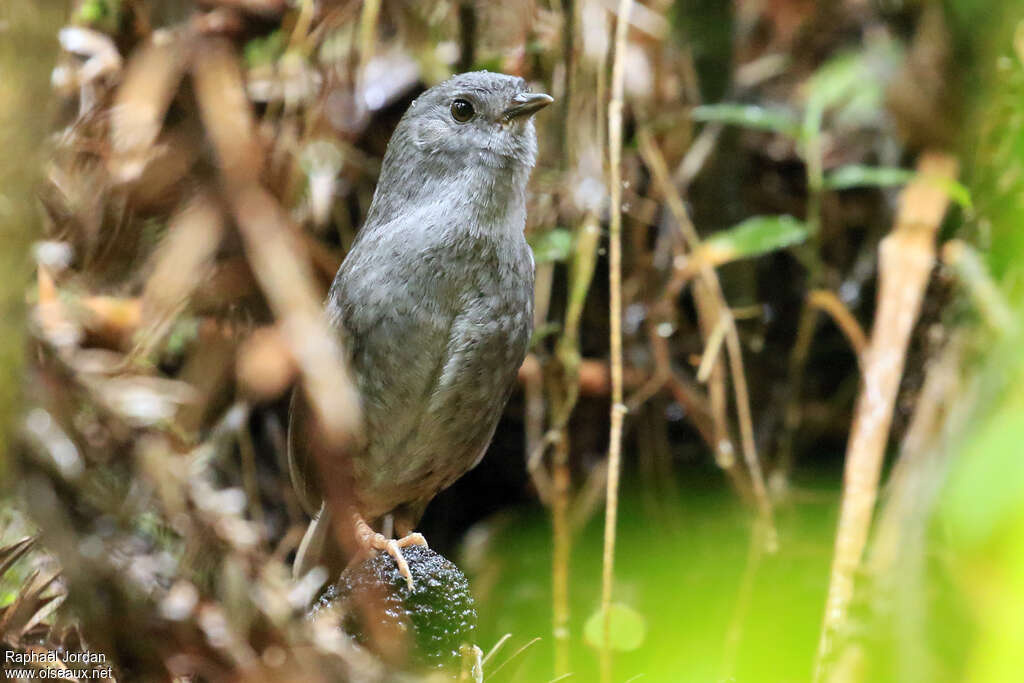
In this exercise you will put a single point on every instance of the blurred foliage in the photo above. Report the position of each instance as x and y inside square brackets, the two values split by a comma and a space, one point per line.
[750, 116]
[981, 506]
[866, 176]
[626, 632]
[755, 236]
[553, 245]
[105, 15]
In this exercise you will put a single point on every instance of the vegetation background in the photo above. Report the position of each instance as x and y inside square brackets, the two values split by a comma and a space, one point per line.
[778, 248]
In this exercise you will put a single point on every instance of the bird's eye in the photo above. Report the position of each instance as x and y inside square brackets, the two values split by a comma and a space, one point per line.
[462, 110]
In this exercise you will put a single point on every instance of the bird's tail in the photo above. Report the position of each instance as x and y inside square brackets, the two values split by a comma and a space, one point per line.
[318, 547]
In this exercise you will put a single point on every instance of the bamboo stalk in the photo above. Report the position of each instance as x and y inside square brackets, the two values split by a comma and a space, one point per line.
[906, 257]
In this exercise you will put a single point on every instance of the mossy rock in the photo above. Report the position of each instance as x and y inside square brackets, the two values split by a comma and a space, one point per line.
[420, 628]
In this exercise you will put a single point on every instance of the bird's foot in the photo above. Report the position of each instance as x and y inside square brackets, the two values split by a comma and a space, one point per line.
[371, 540]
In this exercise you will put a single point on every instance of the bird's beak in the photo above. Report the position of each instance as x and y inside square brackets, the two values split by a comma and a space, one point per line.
[526, 104]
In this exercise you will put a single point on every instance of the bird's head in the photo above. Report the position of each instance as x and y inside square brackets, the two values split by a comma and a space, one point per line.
[473, 130]
[479, 114]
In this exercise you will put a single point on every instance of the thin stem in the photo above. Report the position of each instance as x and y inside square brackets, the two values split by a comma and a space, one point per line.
[618, 410]
[745, 594]
[367, 33]
[567, 351]
[562, 549]
[569, 59]
[811, 258]
[783, 463]
[815, 173]
[746, 420]
[302, 25]
[827, 301]
[467, 35]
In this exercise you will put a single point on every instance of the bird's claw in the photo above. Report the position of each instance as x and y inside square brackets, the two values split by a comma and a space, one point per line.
[371, 540]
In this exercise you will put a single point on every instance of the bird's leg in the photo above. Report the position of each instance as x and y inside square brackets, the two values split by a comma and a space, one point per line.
[404, 529]
[370, 539]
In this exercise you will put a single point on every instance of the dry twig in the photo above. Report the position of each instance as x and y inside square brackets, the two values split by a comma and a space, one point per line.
[827, 301]
[712, 311]
[273, 249]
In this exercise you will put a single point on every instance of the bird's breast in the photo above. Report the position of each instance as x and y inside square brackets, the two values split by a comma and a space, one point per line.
[436, 367]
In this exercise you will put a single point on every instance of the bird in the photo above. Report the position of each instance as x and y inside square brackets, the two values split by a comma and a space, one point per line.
[433, 306]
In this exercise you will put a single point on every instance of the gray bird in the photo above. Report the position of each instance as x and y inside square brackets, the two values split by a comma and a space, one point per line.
[434, 305]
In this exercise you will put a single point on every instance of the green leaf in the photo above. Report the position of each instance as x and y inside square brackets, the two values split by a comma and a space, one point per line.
[553, 245]
[183, 332]
[627, 632]
[957, 191]
[887, 176]
[867, 176]
[544, 331]
[104, 15]
[749, 116]
[753, 237]
[263, 51]
[838, 79]
[841, 81]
